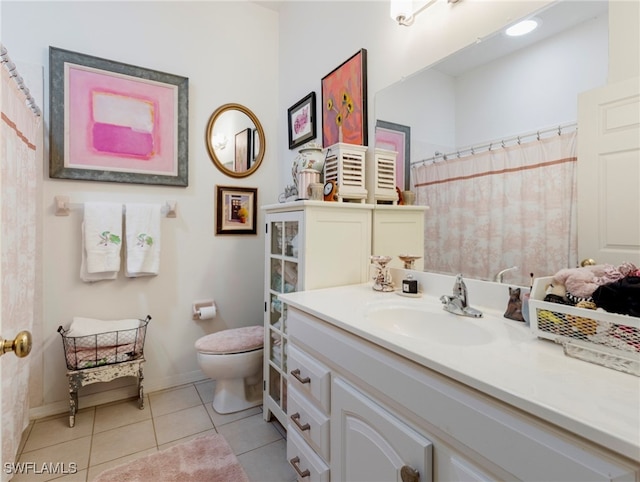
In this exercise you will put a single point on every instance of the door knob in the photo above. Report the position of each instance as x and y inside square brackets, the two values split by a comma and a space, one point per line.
[21, 345]
[587, 262]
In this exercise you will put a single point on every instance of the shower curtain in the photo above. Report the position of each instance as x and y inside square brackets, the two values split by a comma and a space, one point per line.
[20, 151]
[507, 206]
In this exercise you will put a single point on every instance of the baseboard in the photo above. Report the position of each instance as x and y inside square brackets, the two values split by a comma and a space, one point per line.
[115, 395]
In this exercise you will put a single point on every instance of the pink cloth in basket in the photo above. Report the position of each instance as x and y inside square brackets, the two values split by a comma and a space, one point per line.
[92, 357]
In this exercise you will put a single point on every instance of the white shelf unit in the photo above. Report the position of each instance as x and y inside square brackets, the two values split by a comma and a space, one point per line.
[339, 236]
[399, 230]
[345, 164]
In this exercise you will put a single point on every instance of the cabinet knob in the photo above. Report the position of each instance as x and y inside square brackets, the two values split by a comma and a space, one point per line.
[296, 419]
[409, 474]
[295, 463]
[296, 375]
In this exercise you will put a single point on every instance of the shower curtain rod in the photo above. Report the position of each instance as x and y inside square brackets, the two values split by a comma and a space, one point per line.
[13, 73]
[501, 143]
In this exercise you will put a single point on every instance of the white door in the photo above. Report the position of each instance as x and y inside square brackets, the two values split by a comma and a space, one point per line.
[20, 164]
[369, 444]
[609, 173]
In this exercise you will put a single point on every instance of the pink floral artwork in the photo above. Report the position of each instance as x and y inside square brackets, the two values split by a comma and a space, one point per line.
[301, 122]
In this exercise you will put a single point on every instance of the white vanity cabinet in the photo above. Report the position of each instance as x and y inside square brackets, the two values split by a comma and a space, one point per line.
[370, 443]
[309, 245]
[308, 429]
[387, 412]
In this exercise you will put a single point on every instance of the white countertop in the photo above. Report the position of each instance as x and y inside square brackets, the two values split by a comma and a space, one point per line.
[597, 403]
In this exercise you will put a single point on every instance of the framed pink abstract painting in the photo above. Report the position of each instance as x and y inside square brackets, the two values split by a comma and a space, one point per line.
[116, 122]
[344, 102]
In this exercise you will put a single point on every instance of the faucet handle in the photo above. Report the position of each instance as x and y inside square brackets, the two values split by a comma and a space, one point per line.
[460, 289]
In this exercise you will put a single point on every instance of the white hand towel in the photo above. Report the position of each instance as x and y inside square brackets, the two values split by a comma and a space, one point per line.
[101, 241]
[84, 329]
[143, 239]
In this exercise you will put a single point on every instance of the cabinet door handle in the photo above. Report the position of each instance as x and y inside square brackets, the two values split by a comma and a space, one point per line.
[295, 463]
[296, 374]
[296, 419]
[409, 474]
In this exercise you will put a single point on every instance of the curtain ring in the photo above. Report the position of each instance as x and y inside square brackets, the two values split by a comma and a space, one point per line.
[518, 140]
[538, 135]
[559, 130]
[458, 152]
[490, 145]
[503, 146]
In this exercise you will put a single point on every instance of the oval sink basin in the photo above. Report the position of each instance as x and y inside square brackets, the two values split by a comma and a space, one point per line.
[427, 322]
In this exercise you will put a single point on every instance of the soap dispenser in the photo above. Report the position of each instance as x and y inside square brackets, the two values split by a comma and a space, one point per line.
[410, 285]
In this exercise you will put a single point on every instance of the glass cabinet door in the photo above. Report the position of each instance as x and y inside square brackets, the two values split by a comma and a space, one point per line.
[282, 267]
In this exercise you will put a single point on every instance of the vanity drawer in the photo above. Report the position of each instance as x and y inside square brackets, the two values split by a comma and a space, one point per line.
[306, 463]
[308, 421]
[310, 376]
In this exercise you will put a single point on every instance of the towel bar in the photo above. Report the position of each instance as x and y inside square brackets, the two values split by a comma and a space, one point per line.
[63, 206]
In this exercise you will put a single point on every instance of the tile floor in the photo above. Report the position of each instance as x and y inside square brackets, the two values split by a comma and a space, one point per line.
[109, 435]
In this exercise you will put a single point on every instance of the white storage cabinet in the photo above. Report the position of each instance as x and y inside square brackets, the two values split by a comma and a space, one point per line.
[399, 230]
[309, 245]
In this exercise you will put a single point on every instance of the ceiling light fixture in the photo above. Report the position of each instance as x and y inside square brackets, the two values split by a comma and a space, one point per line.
[404, 11]
[522, 28]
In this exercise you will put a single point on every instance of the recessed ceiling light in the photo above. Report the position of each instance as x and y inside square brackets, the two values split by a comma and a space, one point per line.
[522, 28]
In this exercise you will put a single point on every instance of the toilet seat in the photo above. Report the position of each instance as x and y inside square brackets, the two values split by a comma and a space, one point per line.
[234, 340]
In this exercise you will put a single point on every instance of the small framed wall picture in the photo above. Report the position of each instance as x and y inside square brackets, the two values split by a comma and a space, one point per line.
[236, 210]
[302, 121]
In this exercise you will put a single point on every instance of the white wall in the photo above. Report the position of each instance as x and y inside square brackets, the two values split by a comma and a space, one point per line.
[229, 52]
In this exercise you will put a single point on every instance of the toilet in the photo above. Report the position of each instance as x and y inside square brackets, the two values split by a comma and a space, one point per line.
[233, 358]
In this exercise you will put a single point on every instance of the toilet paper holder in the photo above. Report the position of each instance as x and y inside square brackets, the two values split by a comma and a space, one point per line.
[201, 310]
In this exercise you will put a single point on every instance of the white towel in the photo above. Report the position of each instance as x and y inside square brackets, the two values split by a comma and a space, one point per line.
[101, 241]
[87, 327]
[143, 239]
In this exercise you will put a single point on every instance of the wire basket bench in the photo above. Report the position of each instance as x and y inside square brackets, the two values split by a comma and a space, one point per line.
[103, 357]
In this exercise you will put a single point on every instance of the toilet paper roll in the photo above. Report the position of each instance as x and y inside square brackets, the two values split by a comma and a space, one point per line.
[207, 312]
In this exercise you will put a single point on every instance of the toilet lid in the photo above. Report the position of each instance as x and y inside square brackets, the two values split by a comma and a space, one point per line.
[234, 340]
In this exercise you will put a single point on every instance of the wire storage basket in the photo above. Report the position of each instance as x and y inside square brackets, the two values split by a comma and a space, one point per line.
[104, 348]
[608, 339]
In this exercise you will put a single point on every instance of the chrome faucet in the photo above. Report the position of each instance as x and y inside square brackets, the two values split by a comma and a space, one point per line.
[457, 303]
[499, 276]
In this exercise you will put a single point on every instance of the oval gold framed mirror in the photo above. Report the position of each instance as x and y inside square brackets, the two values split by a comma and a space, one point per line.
[235, 140]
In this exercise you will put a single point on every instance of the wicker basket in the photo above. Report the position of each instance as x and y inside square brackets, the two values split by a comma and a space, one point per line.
[102, 349]
[607, 339]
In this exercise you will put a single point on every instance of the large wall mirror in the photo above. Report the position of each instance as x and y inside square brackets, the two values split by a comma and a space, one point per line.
[235, 140]
[502, 87]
